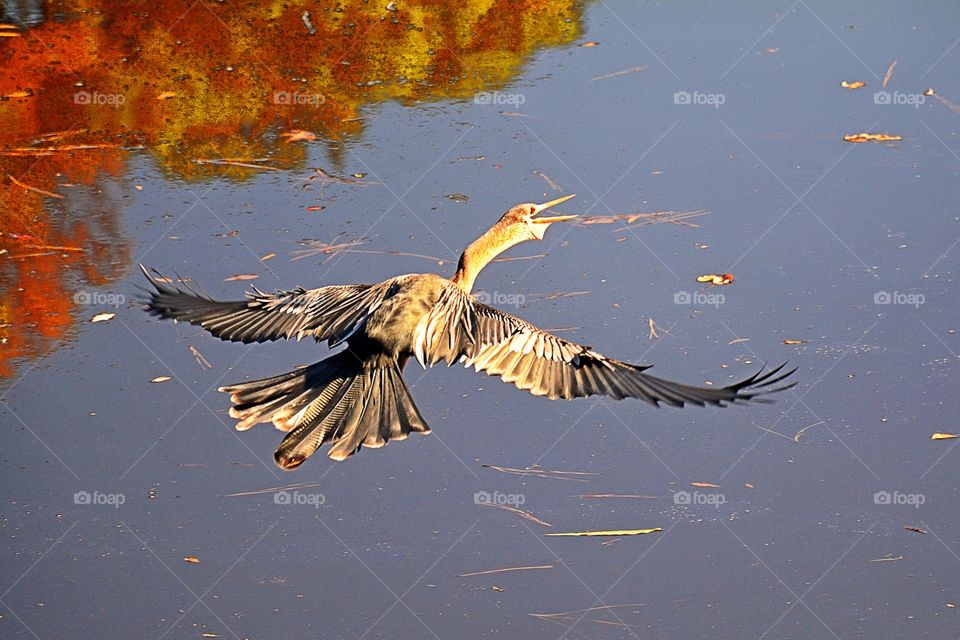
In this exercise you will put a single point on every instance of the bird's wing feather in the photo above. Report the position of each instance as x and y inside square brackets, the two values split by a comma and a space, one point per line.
[328, 313]
[504, 345]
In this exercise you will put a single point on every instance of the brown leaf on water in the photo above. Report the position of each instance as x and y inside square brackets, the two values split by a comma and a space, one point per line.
[889, 73]
[870, 137]
[587, 45]
[852, 85]
[739, 340]
[716, 279]
[102, 317]
[241, 277]
[297, 135]
[615, 532]
[929, 92]
[915, 529]
[191, 559]
[159, 379]
[267, 256]
[795, 341]
[705, 485]
[316, 207]
[943, 436]
[458, 197]
[19, 94]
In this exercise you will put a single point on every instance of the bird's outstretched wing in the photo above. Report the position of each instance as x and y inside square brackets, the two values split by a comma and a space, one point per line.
[504, 345]
[328, 313]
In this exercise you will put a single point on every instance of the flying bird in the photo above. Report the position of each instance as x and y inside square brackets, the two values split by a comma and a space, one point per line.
[358, 398]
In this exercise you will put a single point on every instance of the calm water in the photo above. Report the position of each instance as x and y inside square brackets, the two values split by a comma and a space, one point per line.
[736, 109]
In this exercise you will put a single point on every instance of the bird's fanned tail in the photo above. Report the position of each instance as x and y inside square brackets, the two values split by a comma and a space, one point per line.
[346, 400]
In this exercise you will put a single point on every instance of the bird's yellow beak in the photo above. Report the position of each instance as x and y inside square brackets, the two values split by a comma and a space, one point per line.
[546, 205]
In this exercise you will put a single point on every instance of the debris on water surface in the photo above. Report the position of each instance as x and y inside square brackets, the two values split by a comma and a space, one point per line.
[102, 317]
[616, 532]
[716, 279]
[159, 379]
[870, 137]
[458, 197]
[853, 85]
[943, 436]
[241, 277]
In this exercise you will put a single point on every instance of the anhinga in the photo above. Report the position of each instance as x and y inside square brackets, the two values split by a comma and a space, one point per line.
[358, 398]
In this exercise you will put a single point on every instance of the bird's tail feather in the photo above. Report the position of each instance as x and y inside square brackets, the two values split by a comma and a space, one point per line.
[344, 400]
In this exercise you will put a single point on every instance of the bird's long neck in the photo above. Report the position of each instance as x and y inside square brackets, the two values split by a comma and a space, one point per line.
[482, 251]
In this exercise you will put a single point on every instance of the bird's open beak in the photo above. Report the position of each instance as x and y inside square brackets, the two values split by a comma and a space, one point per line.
[546, 205]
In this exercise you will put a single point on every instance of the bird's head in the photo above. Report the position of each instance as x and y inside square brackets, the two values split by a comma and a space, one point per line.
[523, 216]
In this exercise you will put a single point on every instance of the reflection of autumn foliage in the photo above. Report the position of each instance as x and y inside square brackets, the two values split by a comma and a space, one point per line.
[189, 80]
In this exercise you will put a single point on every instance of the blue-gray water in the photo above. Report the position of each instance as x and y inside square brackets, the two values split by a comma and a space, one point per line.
[795, 543]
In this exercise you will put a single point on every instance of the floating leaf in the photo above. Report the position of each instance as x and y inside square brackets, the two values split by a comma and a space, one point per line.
[852, 85]
[267, 256]
[870, 137]
[192, 559]
[619, 532]
[161, 379]
[297, 135]
[590, 44]
[795, 341]
[943, 436]
[316, 207]
[716, 279]
[241, 276]
[914, 529]
[458, 197]
[102, 317]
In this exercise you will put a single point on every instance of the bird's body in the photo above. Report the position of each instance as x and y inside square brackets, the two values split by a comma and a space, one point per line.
[358, 398]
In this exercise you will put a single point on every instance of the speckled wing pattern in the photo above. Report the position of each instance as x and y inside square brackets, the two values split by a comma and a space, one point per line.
[329, 313]
[504, 345]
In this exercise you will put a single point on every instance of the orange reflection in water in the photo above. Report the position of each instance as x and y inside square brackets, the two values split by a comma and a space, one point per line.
[196, 80]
